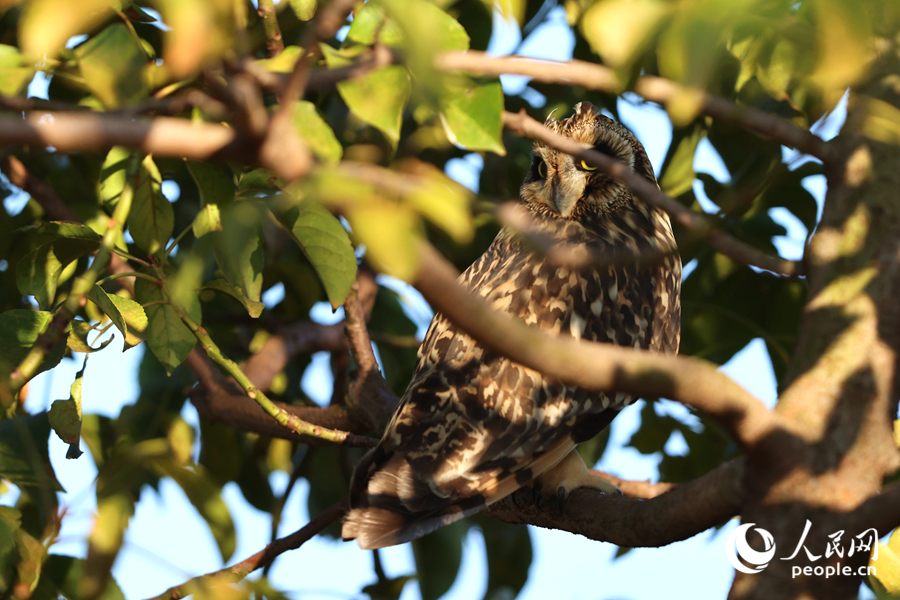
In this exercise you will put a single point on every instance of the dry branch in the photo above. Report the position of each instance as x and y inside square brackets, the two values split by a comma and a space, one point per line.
[650, 193]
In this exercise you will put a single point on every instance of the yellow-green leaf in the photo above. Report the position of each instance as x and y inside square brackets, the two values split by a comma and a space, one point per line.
[216, 190]
[65, 416]
[168, 338]
[310, 126]
[112, 65]
[304, 9]
[379, 98]
[135, 320]
[48, 24]
[473, 118]
[239, 249]
[620, 30]
[284, 62]
[152, 218]
[391, 234]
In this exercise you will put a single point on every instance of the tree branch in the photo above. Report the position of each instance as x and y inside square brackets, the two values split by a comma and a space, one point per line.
[602, 367]
[655, 89]
[266, 12]
[674, 515]
[259, 560]
[650, 193]
[219, 401]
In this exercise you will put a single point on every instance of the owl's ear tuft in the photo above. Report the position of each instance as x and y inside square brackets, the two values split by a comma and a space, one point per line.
[586, 109]
[550, 118]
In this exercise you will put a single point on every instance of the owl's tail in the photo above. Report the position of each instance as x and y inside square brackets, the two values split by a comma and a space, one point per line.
[391, 504]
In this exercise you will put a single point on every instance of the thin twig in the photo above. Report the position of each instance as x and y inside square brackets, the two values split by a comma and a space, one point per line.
[266, 12]
[239, 571]
[728, 245]
[655, 89]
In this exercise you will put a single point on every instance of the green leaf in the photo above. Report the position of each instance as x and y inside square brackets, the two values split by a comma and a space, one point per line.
[238, 248]
[426, 27]
[621, 30]
[473, 118]
[112, 176]
[61, 577]
[216, 191]
[440, 200]
[10, 522]
[509, 556]
[63, 229]
[112, 65]
[19, 330]
[438, 556]
[310, 126]
[168, 337]
[105, 303]
[378, 98]
[65, 416]
[260, 179]
[37, 274]
[327, 246]
[304, 9]
[31, 559]
[152, 217]
[104, 542]
[14, 72]
[78, 338]
[254, 309]
[391, 234]
[184, 285]
[206, 497]
[284, 62]
[370, 21]
[24, 460]
[677, 173]
[135, 320]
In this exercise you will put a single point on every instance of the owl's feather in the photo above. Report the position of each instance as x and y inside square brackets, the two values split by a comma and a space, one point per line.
[473, 426]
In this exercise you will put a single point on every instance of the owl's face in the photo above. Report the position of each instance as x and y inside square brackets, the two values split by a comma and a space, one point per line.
[559, 185]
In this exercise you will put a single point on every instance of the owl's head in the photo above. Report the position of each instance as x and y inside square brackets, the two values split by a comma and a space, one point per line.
[559, 185]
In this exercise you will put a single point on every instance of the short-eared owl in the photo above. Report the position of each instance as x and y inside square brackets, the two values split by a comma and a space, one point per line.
[473, 426]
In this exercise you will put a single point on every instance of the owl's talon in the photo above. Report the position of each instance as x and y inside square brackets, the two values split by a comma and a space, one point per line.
[516, 498]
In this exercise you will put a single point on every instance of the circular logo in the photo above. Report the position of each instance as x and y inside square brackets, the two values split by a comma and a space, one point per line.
[737, 546]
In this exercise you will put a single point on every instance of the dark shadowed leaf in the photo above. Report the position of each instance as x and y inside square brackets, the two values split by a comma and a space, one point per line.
[438, 556]
[254, 309]
[10, 521]
[239, 249]
[61, 577]
[19, 330]
[509, 556]
[216, 191]
[24, 459]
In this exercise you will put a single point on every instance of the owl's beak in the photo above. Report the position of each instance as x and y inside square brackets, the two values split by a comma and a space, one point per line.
[566, 195]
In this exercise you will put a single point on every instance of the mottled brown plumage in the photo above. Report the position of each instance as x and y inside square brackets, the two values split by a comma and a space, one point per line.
[473, 427]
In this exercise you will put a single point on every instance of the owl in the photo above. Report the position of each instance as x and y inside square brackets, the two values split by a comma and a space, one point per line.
[474, 426]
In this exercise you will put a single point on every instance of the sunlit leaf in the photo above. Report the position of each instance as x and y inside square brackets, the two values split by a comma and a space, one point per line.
[78, 338]
[48, 24]
[105, 303]
[112, 64]
[304, 9]
[677, 175]
[843, 44]
[65, 416]
[168, 337]
[112, 176]
[64, 229]
[378, 98]
[135, 319]
[473, 118]
[327, 246]
[254, 309]
[620, 30]
[61, 578]
[440, 200]
[390, 233]
[260, 179]
[14, 73]
[315, 131]
[285, 61]
[152, 218]
[200, 32]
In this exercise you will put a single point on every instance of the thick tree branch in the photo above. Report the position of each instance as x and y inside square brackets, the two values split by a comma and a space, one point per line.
[655, 89]
[602, 367]
[674, 515]
[369, 393]
[239, 571]
[280, 150]
[649, 192]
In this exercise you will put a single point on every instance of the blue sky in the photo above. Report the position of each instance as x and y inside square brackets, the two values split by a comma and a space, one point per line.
[167, 542]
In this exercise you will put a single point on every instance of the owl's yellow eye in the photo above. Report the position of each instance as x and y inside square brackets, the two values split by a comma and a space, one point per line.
[587, 167]
[542, 170]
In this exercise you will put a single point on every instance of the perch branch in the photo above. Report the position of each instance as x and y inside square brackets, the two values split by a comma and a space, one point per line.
[649, 192]
[654, 89]
[677, 514]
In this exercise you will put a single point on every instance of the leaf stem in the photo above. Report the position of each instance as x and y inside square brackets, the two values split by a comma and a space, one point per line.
[292, 422]
[176, 241]
[135, 274]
